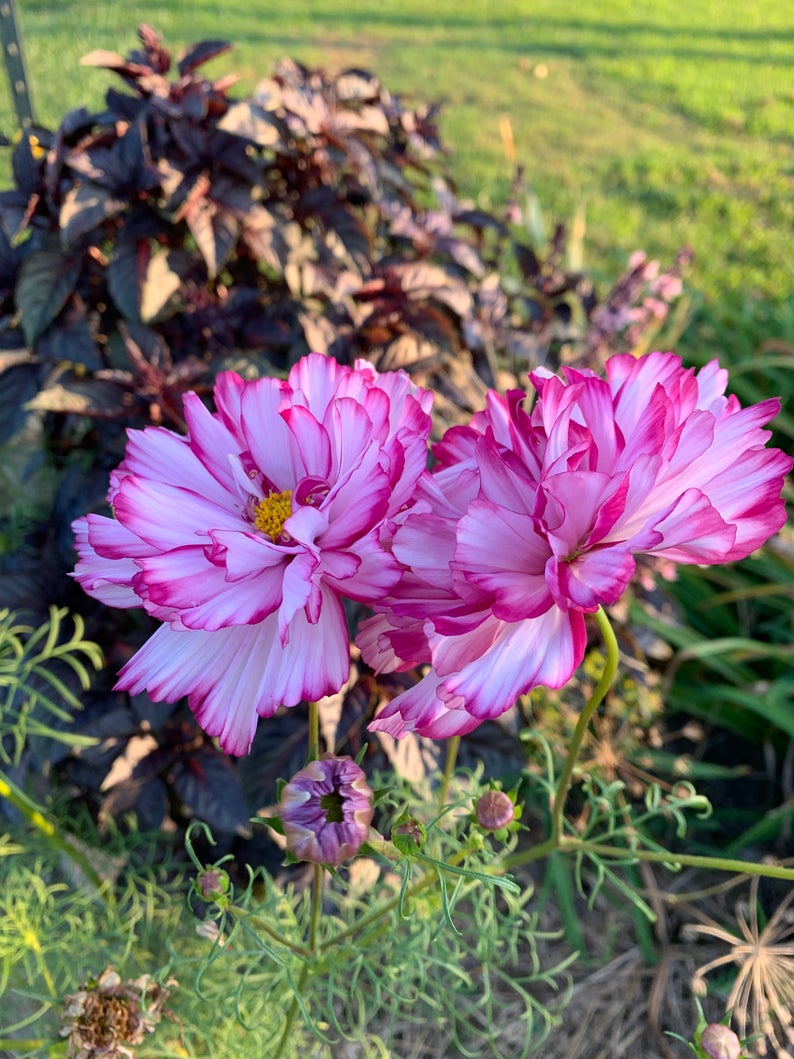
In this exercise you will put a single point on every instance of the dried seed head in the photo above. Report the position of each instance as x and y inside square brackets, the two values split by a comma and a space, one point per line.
[108, 1015]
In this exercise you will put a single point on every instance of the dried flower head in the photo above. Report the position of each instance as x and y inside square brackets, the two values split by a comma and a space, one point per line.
[109, 1015]
[762, 997]
[326, 810]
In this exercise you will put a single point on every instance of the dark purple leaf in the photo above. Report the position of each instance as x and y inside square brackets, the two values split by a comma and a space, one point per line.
[84, 396]
[422, 280]
[216, 232]
[200, 53]
[278, 751]
[465, 255]
[208, 787]
[481, 220]
[141, 280]
[144, 348]
[69, 340]
[46, 280]
[78, 120]
[357, 85]
[252, 123]
[14, 212]
[26, 165]
[84, 207]
[20, 382]
[148, 798]
[527, 261]
[126, 107]
[269, 238]
[111, 60]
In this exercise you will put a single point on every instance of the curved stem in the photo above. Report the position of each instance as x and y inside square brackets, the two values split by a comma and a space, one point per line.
[553, 842]
[449, 767]
[592, 704]
[570, 844]
[255, 920]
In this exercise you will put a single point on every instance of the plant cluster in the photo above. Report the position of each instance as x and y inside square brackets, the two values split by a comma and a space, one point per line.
[148, 250]
[180, 226]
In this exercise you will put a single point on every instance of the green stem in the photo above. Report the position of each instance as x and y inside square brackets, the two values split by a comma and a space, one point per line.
[317, 904]
[449, 767]
[34, 816]
[592, 704]
[553, 842]
[314, 730]
[557, 841]
[570, 844]
[293, 1010]
[254, 920]
[314, 921]
[388, 906]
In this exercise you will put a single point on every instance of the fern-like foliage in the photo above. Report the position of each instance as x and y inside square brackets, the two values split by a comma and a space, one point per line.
[37, 667]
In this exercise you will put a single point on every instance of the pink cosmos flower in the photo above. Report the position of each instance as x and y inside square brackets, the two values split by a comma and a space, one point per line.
[532, 519]
[326, 810]
[243, 537]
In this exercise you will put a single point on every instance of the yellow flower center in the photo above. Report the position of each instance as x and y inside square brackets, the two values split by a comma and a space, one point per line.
[271, 513]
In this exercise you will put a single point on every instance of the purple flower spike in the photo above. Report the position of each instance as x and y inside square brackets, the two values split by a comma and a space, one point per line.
[326, 810]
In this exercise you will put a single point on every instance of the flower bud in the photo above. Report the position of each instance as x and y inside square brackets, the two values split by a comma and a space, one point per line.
[212, 884]
[495, 810]
[326, 810]
[720, 1042]
[409, 835]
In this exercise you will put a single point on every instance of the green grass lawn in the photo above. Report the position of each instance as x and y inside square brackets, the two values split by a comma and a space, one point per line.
[665, 124]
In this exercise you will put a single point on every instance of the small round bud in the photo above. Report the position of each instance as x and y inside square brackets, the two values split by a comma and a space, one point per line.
[495, 810]
[212, 884]
[409, 835]
[720, 1042]
[326, 810]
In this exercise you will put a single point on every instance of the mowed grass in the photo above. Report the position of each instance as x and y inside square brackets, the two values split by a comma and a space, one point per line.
[662, 124]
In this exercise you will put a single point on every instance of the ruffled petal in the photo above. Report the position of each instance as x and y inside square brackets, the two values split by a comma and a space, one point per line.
[166, 517]
[232, 675]
[509, 660]
[183, 581]
[499, 551]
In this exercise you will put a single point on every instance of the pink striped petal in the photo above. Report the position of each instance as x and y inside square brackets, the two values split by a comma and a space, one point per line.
[184, 581]
[166, 516]
[510, 659]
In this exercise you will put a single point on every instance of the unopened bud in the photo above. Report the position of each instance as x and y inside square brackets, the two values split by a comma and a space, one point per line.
[409, 835]
[720, 1042]
[212, 884]
[495, 810]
